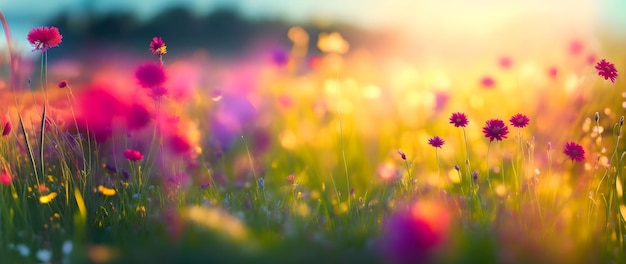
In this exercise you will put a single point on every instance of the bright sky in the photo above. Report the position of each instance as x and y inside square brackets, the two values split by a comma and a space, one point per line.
[446, 20]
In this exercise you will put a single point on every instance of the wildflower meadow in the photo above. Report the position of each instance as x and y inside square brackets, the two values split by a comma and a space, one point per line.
[309, 155]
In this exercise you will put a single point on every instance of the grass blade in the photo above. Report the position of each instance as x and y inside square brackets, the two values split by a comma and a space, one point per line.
[30, 149]
[43, 131]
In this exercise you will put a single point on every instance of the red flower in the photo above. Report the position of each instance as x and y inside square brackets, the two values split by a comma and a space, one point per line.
[436, 142]
[574, 151]
[43, 38]
[606, 70]
[519, 120]
[63, 84]
[495, 129]
[157, 46]
[150, 75]
[133, 155]
[6, 125]
[5, 178]
[290, 178]
[459, 120]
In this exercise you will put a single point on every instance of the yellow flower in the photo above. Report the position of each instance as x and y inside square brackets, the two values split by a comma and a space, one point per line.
[106, 191]
[47, 198]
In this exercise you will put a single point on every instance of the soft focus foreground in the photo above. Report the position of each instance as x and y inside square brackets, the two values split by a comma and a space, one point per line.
[298, 155]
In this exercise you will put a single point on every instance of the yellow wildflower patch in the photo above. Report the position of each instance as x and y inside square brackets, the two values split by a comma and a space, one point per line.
[106, 191]
[47, 198]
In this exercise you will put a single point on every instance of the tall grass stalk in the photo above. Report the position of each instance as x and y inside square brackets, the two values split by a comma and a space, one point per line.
[342, 145]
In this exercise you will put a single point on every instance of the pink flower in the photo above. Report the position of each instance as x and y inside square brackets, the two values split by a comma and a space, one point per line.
[5, 178]
[290, 178]
[133, 155]
[6, 125]
[591, 58]
[387, 172]
[459, 119]
[157, 46]
[150, 75]
[488, 82]
[519, 121]
[576, 47]
[495, 129]
[553, 71]
[574, 151]
[436, 142]
[43, 38]
[506, 62]
[606, 70]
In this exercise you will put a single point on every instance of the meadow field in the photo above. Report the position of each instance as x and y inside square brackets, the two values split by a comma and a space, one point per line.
[293, 155]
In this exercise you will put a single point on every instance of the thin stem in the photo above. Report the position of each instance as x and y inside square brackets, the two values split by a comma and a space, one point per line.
[488, 168]
[468, 166]
[501, 169]
[343, 150]
[408, 171]
[439, 166]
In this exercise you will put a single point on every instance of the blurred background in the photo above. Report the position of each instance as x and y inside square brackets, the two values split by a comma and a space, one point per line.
[430, 30]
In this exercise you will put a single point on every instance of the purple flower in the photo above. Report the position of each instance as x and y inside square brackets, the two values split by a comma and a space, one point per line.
[459, 119]
[574, 151]
[495, 129]
[519, 120]
[436, 142]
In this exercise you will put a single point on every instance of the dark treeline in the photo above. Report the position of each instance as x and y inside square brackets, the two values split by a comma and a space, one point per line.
[223, 33]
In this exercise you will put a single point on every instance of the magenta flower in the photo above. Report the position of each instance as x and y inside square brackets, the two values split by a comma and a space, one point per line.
[133, 155]
[574, 151]
[137, 116]
[43, 38]
[495, 129]
[436, 142]
[459, 120]
[150, 75]
[519, 120]
[179, 144]
[414, 234]
[606, 70]
[157, 46]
